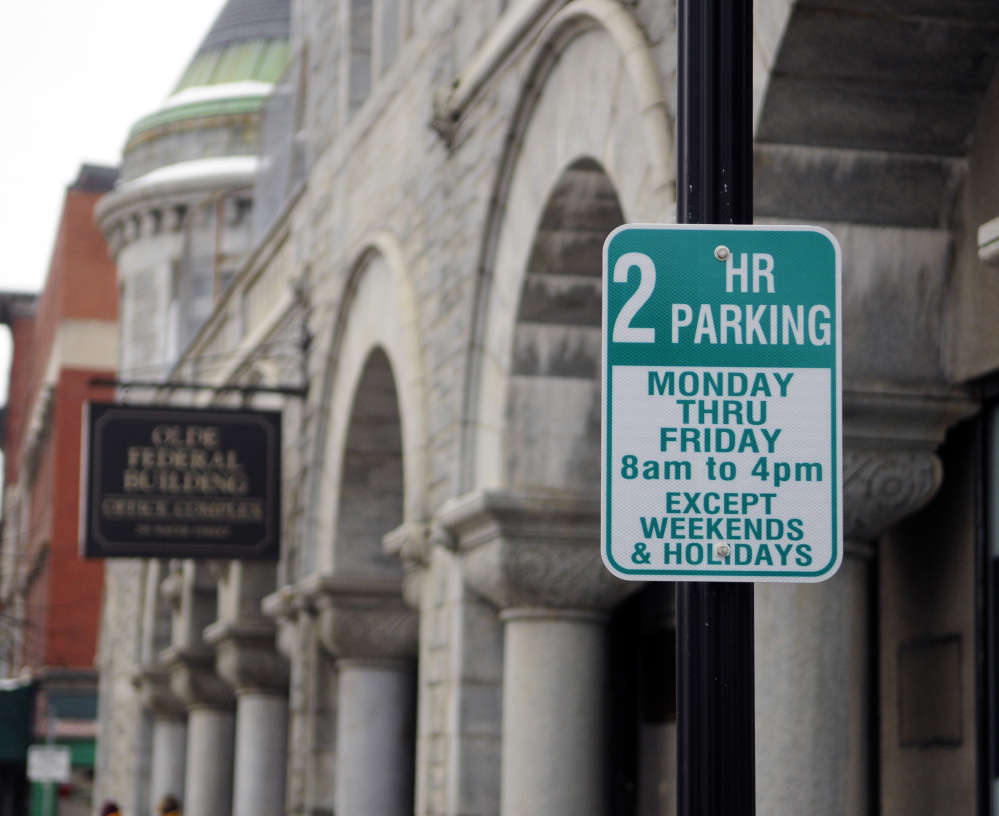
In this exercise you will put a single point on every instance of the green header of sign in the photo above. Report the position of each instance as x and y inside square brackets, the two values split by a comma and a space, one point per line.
[770, 301]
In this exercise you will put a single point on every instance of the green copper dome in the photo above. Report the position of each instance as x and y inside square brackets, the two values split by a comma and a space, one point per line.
[243, 54]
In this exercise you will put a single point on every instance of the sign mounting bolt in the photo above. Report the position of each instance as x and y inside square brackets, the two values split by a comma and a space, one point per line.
[721, 252]
[722, 550]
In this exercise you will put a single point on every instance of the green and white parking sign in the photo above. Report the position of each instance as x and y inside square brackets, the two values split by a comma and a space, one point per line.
[722, 393]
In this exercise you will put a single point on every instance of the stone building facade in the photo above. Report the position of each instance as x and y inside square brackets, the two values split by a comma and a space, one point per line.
[436, 180]
[178, 224]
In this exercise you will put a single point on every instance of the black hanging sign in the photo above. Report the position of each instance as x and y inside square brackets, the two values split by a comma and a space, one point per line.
[161, 482]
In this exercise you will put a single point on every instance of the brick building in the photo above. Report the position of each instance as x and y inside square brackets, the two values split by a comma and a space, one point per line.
[49, 596]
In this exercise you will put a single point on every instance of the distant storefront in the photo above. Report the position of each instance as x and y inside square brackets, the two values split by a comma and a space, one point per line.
[51, 598]
[16, 708]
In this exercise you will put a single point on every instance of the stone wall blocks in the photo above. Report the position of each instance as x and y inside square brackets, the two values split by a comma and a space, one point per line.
[478, 787]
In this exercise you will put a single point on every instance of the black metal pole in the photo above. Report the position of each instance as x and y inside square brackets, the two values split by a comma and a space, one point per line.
[716, 773]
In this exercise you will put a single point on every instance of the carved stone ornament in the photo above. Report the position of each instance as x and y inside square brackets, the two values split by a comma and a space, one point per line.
[411, 544]
[172, 588]
[365, 618]
[440, 536]
[193, 680]
[247, 658]
[890, 468]
[443, 121]
[284, 607]
[538, 550]
[881, 487]
[153, 685]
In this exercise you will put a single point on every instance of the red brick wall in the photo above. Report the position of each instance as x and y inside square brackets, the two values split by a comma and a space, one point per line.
[81, 282]
[81, 285]
[64, 597]
[75, 585]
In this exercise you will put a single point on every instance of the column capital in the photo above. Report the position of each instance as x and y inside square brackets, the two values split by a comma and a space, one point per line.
[364, 618]
[153, 684]
[881, 487]
[533, 550]
[193, 680]
[890, 467]
[247, 658]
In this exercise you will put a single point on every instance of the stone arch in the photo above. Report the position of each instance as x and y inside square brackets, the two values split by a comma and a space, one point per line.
[592, 92]
[865, 126]
[375, 382]
[372, 480]
[552, 419]
[371, 488]
[872, 107]
[769, 24]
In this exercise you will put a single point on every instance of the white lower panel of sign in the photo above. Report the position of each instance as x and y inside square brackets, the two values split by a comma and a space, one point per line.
[722, 474]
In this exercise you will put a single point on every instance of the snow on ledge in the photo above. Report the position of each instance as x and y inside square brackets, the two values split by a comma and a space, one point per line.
[221, 168]
[184, 178]
[210, 93]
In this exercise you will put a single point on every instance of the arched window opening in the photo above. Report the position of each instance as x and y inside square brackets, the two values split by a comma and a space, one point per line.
[376, 30]
[372, 634]
[371, 493]
[553, 405]
[360, 51]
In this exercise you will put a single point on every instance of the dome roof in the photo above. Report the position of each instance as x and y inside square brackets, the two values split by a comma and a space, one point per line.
[248, 20]
[245, 52]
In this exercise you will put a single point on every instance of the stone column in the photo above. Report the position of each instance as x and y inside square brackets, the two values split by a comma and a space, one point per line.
[537, 558]
[813, 684]
[168, 744]
[373, 635]
[411, 544]
[169, 739]
[246, 658]
[210, 730]
[310, 716]
[553, 729]
[814, 642]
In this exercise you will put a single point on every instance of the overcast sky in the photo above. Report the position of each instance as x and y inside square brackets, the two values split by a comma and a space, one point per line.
[76, 75]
